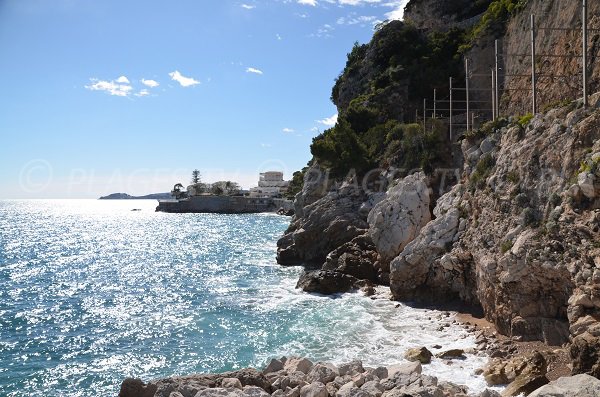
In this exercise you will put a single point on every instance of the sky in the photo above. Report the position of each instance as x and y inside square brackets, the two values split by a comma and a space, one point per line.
[104, 96]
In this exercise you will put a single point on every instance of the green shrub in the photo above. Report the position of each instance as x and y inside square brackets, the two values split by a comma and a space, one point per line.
[513, 177]
[482, 170]
[487, 129]
[506, 246]
[525, 120]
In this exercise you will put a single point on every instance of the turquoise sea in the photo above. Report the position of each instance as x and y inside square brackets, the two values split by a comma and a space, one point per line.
[92, 292]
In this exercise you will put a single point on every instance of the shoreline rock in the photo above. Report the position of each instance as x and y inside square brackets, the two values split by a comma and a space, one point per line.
[299, 377]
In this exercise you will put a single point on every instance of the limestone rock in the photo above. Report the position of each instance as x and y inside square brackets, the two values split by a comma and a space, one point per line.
[273, 366]
[231, 383]
[294, 364]
[355, 258]
[315, 389]
[322, 225]
[407, 368]
[379, 372]
[136, 388]
[220, 392]
[452, 353]
[531, 377]
[352, 368]
[570, 386]
[254, 391]
[420, 354]
[373, 388]
[327, 282]
[322, 372]
[398, 218]
[585, 354]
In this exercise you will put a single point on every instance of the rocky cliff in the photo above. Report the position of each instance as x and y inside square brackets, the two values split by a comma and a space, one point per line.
[514, 229]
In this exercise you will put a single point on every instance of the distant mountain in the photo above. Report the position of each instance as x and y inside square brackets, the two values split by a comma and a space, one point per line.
[125, 196]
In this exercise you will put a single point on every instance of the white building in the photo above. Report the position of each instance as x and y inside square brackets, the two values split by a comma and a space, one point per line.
[270, 184]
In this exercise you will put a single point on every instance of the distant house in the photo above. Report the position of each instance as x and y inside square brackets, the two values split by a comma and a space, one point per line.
[270, 184]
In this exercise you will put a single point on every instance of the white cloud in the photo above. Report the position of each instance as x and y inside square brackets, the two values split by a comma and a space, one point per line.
[355, 20]
[182, 80]
[254, 70]
[150, 83]
[266, 145]
[116, 87]
[278, 36]
[288, 130]
[308, 2]
[329, 121]
[248, 6]
[398, 9]
[358, 2]
[324, 31]
[142, 92]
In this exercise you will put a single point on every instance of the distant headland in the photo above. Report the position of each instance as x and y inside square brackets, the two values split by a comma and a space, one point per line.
[125, 196]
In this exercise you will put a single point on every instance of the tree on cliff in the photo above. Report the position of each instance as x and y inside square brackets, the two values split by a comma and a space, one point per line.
[195, 177]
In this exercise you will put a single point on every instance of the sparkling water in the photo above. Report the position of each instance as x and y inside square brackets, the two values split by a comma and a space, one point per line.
[92, 292]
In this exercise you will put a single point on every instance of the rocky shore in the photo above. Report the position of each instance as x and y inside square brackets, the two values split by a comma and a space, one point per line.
[300, 377]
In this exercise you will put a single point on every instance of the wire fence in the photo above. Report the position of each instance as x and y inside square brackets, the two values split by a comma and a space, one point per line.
[462, 113]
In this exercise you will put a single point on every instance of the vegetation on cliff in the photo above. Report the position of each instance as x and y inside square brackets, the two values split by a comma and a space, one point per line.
[382, 84]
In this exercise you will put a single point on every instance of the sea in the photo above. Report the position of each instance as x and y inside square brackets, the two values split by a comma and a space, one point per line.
[94, 291]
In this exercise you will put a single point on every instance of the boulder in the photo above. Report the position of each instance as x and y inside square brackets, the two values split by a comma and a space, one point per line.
[254, 391]
[248, 377]
[409, 270]
[420, 354]
[327, 282]
[570, 386]
[232, 383]
[531, 377]
[373, 388]
[585, 354]
[322, 372]
[407, 368]
[351, 391]
[352, 368]
[397, 219]
[294, 364]
[379, 372]
[355, 258]
[315, 389]
[220, 392]
[136, 388]
[273, 366]
[452, 353]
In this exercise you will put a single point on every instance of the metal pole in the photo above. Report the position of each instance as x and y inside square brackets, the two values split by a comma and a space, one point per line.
[434, 103]
[493, 96]
[450, 110]
[467, 88]
[424, 115]
[585, 48]
[497, 70]
[533, 76]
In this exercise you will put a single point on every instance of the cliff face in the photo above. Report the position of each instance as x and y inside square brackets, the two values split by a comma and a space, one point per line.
[517, 235]
[555, 14]
[444, 15]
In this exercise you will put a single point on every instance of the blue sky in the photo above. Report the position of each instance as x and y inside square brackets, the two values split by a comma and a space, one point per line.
[103, 96]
